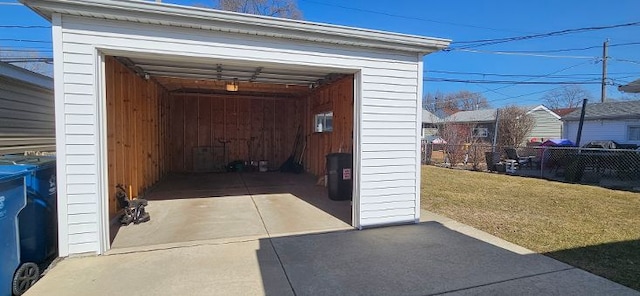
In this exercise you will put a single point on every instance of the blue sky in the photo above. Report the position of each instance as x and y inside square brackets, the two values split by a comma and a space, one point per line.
[463, 21]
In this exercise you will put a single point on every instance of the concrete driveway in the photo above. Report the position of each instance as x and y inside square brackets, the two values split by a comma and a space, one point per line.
[436, 257]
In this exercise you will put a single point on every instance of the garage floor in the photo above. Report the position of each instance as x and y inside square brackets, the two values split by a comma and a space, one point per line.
[227, 207]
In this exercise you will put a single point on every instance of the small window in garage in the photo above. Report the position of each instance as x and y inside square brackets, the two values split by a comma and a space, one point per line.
[324, 122]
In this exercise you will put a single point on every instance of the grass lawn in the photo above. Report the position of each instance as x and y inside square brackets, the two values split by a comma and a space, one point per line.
[589, 227]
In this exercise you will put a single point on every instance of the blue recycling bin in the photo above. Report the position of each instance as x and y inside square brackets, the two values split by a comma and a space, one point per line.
[12, 200]
[38, 221]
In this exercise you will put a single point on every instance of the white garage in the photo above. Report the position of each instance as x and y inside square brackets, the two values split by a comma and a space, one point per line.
[144, 90]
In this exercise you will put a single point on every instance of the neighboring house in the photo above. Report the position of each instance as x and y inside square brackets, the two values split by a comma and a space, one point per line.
[547, 125]
[483, 123]
[429, 124]
[120, 64]
[632, 87]
[26, 111]
[617, 121]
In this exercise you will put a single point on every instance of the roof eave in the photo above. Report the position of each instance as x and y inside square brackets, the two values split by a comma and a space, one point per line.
[210, 19]
[630, 116]
[25, 76]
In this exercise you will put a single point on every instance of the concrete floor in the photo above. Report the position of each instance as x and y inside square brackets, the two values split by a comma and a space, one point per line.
[225, 207]
[436, 257]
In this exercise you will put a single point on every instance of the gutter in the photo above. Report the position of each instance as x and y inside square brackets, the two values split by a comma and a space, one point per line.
[218, 20]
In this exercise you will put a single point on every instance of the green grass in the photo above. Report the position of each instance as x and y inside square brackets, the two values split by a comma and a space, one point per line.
[589, 227]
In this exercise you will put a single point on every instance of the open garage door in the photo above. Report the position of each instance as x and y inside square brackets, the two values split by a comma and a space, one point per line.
[206, 144]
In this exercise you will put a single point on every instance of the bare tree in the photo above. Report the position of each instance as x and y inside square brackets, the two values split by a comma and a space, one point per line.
[466, 100]
[463, 100]
[456, 135]
[514, 125]
[569, 96]
[276, 8]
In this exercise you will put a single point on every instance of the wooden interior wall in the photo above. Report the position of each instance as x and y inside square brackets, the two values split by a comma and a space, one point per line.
[336, 97]
[137, 124]
[255, 129]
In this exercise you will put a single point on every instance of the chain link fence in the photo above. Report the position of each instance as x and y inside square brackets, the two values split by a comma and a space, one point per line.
[611, 168]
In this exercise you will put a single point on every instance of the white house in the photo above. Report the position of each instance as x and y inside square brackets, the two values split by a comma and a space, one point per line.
[617, 121]
[120, 65]
[26, 111]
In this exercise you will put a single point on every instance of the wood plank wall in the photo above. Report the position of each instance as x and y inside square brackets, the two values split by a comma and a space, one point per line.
[256, 128]
[336, 97]
[137, 124]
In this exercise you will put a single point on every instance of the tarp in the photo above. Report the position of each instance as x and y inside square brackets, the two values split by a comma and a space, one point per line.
[557, 142]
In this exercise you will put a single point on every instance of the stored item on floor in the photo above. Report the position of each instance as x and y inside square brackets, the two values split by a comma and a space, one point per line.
[340, 176]
[38, 221]
[264, 166]
[235, 166]
[134, 209]
[13, 198]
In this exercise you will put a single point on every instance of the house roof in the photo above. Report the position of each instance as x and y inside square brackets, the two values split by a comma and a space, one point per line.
[484, 115]
[608, 110]
[149, 12]
[543, 108]
[632, 87]
[563, 111]
[428, 117]
[25, 76]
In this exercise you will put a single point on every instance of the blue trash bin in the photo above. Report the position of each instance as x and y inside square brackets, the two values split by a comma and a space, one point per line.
[12, 200]
[39, 219]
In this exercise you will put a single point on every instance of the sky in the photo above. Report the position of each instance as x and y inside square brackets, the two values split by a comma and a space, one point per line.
[530, 61]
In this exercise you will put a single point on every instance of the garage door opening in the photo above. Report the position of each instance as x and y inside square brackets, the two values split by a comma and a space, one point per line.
[195, 139]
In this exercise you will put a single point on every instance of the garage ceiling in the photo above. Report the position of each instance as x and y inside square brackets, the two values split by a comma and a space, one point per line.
[211, 78]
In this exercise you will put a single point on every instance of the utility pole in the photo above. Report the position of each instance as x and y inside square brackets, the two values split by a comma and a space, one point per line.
[603, 93]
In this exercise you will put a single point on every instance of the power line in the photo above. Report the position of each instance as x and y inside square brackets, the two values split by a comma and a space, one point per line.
[625, 60]
[410, 17]
[24, 40]
[484, 42]
[549, 74]
[570, 49]
[24, 27]
[513, 82]
[524, 75]
[519, 53]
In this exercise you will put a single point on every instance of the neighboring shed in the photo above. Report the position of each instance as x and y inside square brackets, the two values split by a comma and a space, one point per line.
[547, 125]
[617, 121]
[175, 78]
[26, 111]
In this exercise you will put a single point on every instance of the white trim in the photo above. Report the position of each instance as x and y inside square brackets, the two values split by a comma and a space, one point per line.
[210, 19]
[419, 136]
[102, 173]
[61, 170]
[542, 107]
[356, 203]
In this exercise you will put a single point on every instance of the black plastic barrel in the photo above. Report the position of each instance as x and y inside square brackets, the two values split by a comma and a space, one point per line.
[340, 176]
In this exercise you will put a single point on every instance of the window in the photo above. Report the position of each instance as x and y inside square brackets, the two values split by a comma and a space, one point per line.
[480, 132]
[324, 122]
[633, 133]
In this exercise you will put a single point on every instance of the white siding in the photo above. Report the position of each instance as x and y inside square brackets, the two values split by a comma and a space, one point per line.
[26, 117]
[388, 127]
[546, 126]
[593, 130]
